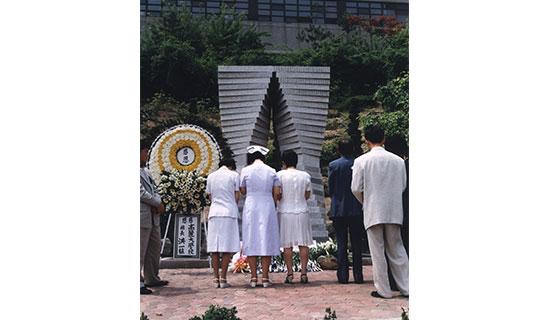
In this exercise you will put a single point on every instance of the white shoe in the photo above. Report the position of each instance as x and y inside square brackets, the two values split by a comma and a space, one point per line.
[224, 284]
[266, 282]
[253, 283]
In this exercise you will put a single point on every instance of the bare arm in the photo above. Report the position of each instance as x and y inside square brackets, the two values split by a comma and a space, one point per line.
[277, 194]
[237, 196]
[243, 190]
[307, 194]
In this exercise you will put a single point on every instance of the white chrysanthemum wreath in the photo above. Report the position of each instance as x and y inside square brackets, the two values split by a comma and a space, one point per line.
[184, 147]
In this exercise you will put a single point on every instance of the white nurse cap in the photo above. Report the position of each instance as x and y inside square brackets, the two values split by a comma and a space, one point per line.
[260, 149]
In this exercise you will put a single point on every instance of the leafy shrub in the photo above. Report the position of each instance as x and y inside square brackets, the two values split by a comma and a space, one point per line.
[216, 312]
[331, 314]
[395, 95]
[394, 123]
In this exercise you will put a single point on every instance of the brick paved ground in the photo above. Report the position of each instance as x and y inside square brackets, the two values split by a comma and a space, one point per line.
[190, 292]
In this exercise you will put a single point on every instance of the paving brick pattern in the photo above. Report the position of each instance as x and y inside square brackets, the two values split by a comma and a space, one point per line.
[190, 292]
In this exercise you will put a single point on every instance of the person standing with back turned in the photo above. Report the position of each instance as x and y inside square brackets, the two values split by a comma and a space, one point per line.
[294, 225]
[378, 181]
[222, 186]
[260, 227]
[346, 213]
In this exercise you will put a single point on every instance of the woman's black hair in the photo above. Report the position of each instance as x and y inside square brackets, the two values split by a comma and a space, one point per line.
[229, 162]
[290, 158]
[251, 157]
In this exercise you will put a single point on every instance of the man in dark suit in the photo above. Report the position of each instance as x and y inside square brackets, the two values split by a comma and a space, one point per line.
[346, 213]
[151, 208]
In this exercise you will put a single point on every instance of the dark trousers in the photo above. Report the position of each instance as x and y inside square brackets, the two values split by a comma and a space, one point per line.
[354, 227]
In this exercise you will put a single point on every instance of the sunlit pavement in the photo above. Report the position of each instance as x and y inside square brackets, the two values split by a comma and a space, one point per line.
[191, 291]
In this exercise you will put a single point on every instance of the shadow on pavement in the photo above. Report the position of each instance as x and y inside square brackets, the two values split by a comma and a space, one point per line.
[173, 291]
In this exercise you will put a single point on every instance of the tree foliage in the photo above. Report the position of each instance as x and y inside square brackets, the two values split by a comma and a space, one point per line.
[360, 62]
[394, 99]
[163, 112]
[395, 95]
[180, 53]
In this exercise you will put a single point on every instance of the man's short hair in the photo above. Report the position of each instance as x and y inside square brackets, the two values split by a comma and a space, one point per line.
[345, 147]
[228, 162]
[290, 158]
[374, 134]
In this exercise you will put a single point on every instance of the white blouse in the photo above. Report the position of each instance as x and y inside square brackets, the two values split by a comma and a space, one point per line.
[221, 185]
[294, 185]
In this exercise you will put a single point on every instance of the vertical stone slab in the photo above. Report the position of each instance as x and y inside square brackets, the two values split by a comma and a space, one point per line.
[306, 94]
[296, 100]
[244, 117]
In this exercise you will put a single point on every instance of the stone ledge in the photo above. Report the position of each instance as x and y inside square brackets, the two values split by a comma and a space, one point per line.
[177, 263]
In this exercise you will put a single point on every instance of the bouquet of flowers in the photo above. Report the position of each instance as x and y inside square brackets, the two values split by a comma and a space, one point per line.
[241, 265]
[324, 253]
[183, 191]
[318, 249]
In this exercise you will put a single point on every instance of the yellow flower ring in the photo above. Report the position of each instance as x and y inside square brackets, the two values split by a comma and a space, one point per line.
[180, 144]
[184, 147]
[172, 139]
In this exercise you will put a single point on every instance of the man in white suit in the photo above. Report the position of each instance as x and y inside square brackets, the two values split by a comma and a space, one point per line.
[151, 208]
[378, 181]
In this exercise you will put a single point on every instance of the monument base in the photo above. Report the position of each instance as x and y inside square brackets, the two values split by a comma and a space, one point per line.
[183, 263]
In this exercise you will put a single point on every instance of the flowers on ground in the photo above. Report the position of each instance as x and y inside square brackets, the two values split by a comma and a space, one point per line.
[241, 265]
[239, 262]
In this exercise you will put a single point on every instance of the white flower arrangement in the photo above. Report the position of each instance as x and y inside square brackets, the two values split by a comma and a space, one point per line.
[163, 156]
[183, 191]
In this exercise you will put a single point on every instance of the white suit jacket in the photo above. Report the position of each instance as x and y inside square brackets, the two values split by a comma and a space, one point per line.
[378, 181]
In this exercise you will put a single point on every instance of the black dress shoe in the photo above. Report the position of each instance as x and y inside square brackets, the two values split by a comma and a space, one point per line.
[359, 281]
[377, 295]
[157, 284]
[144, 290]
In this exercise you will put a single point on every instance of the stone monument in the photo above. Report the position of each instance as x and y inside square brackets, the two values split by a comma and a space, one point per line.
[295, 99]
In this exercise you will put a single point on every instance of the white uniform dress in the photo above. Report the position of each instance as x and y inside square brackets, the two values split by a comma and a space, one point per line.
[294, 224]
[260, 227]
[223, 226]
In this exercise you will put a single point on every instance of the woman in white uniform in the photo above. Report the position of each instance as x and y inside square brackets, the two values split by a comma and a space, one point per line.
[260, 227]
[222, 186]
[295, 227]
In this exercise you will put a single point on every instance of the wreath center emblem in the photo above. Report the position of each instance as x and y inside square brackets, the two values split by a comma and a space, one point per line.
[185, 156]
